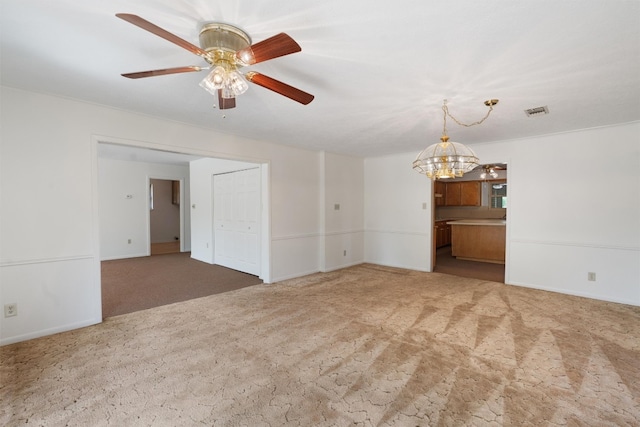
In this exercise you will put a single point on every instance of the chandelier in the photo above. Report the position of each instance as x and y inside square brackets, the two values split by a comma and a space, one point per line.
[448, 159]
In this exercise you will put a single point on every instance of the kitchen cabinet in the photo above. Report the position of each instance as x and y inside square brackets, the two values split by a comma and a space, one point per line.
[452, 194]
[439, 192]
[470, 192]
[479, 240]
[442, 232]
[464, 193]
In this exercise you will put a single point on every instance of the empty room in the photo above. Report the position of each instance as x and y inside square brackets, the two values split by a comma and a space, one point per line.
[439, 205]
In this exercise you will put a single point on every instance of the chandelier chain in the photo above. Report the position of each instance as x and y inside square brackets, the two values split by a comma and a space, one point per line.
[446, 112]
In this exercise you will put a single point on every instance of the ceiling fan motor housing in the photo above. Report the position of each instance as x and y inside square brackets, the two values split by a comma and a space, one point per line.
[222, 41]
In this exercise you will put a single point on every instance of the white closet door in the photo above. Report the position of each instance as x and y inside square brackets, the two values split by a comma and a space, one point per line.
[236, 207]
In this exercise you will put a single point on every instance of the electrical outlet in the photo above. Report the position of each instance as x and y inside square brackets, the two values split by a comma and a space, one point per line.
[344, 253]
[10, 310]
[591, 276]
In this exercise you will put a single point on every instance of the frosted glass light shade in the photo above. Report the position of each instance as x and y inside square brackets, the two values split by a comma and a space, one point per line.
[214, 80]
[232, 83]
[445, 159]
[237, 83]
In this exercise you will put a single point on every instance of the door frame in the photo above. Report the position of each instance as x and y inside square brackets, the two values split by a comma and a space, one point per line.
[265, 177]
[148, 218]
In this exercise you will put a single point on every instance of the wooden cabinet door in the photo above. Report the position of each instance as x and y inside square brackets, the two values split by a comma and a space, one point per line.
[439, 191]
[464, 193]
[470, 193]
[440, 230]
[447, 235]
[452, 194]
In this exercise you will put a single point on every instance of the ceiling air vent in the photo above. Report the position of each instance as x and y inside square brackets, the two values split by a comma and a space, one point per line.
[538, 111]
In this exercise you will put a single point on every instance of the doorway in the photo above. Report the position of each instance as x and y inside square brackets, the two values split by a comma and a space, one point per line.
[480, 194]
[122, 184]
[165, 214]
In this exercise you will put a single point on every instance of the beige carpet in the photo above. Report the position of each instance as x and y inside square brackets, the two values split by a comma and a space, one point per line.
[364, 346]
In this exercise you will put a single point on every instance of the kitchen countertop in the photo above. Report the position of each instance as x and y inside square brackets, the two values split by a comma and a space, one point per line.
[499, 222]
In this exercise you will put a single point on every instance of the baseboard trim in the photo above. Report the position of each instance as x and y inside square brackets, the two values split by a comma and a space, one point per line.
[294, 276]
[575, 294]
[165, 248]
[50, 331]
[340, 267]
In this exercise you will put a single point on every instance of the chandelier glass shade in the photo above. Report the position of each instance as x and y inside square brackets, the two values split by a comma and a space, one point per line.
[446, 159]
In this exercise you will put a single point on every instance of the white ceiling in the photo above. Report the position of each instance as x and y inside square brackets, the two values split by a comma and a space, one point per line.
[379, 70]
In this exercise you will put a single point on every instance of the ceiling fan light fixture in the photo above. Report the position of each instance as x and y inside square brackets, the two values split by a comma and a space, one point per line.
[226, 92]
[214, 80]
[488, 171]
[226, 48]
[237, 83]
[232, 83]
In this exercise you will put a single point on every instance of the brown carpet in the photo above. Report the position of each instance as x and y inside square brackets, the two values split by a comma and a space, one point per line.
[135, 284]
[364, 346]
[448, 264]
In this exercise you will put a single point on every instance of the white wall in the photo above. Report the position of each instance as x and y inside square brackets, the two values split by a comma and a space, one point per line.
[49, 261]
[122, 217]
[398, 213]
[574, 208]
[49, 219]
[295, 216]
[342, 244]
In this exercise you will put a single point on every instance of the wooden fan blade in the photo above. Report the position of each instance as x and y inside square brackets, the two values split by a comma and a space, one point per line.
[279, 87]
[225, 103]
[273, 47]
[152, 28]
[151, 73]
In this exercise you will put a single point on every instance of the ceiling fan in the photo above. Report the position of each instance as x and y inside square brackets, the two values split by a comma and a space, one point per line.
[227, 49]
[491, 170]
